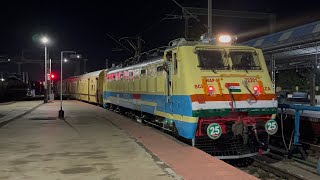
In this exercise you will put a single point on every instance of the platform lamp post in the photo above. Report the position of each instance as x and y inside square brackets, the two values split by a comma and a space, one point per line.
[61, 112]
[45, 41]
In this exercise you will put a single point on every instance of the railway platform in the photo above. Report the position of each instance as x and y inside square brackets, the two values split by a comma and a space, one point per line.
[93, 143]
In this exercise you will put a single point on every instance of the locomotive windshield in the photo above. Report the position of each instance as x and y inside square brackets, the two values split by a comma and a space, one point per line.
[245, 60]
[212, 59]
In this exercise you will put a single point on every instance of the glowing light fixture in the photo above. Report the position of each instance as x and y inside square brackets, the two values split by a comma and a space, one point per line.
[224, 38]
[44, 40]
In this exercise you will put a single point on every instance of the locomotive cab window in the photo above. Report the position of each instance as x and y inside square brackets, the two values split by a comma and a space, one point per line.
[159, 68]
[212, 60]
[245, 60]
[175, 63]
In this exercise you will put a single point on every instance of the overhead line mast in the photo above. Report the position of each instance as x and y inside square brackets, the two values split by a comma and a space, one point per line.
[209, 18]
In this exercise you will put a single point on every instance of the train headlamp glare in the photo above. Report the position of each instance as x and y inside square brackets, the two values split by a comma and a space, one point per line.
[224, 38]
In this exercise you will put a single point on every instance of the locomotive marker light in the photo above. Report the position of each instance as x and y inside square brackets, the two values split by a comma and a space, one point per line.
[256, 90]
[214, 131]
[271, 127]
[211, 90]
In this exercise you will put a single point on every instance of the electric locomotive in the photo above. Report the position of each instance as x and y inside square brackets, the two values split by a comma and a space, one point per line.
[216, 95]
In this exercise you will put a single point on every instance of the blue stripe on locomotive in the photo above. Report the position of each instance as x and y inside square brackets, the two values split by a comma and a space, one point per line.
[180, 104]
[186, 129]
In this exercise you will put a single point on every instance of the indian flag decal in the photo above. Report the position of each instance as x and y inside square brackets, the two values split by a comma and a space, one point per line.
[233, 87]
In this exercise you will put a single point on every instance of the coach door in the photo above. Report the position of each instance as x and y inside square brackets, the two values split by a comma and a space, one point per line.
[96, 90]
[168, 67]
[89, 89]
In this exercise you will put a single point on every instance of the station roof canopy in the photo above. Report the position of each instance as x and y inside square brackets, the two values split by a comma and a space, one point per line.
[292, 48]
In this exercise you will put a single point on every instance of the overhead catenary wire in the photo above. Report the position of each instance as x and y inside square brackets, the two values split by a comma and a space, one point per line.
[186, 10]
[151, 26]
[119, 43]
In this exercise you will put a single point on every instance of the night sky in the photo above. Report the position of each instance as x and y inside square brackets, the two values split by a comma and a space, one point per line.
[82, 25]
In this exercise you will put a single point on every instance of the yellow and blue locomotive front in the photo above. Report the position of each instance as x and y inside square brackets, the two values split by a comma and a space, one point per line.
[199, 90]
[231, 95]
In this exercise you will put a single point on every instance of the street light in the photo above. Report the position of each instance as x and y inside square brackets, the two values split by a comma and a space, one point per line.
[65, 60]
[45, 41]
[61, 112]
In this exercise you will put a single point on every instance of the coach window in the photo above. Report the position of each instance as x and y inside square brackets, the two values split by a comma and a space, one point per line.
[143, 72]
[175, 63]
[159, 68]
[130, 74]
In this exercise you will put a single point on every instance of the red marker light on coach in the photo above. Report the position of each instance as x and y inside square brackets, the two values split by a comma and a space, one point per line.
[52, 76]
[210, 88]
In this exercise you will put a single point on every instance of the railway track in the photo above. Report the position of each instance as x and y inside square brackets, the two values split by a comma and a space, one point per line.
[273, 166]
[278, 172]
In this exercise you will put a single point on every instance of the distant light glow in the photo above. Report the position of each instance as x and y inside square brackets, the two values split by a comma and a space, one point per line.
[44, 40]
[318, 66]
[78, 56]
[224, 38]
[210, 88]
[65, 60]
[52, 76]
[9, 59]
[2, 79]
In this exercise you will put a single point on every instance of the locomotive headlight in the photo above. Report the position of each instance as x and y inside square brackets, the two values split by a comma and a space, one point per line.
[224, 38]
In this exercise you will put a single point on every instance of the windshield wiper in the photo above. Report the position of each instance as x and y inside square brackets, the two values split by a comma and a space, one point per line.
[213, 70]
[246, 70]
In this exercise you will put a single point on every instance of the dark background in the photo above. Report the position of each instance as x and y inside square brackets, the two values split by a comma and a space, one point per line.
[82, 26]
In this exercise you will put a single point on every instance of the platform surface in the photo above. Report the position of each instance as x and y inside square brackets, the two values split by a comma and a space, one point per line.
[93, 143]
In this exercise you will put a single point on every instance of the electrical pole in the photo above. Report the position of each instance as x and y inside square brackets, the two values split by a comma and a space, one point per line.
[107, 63]
[186, 26]
[85, 66]
[209, 18]
[138, 50]
[45, 75]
